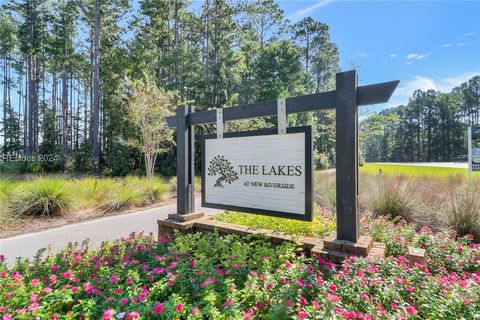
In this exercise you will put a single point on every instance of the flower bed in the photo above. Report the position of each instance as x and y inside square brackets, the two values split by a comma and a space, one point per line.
[207, 276]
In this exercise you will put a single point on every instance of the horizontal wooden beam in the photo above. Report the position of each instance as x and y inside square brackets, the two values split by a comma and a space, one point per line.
[370, 94]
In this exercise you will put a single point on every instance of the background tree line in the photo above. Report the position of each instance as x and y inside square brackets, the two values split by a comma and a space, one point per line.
[65, 65]
[432, 126]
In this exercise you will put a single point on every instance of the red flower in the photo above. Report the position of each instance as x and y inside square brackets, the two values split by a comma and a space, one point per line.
[158, 308]
[411, 310]
[333, 287]
[302, 315]
[303, 301]
[179, 308]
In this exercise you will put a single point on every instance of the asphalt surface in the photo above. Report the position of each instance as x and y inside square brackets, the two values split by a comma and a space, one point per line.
[98, 230]
[461, 165]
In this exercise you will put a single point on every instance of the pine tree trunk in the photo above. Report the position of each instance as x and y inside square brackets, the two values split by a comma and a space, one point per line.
[65, 86]
[5, 86]
[96, 87]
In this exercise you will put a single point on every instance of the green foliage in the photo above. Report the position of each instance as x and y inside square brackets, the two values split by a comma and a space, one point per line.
[133, 192]
[320, 226]
[412, 170]
[123, 159]
[321, 161]
[41, 197]
[205, 276]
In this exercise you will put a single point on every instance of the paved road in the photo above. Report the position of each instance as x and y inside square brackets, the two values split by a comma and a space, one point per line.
[98, 230]
[462, 165]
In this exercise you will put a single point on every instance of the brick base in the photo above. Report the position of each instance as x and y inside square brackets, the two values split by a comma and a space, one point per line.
[330, 248]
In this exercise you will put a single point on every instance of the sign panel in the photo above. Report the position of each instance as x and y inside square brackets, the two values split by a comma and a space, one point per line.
[475, 148]
[259, 172]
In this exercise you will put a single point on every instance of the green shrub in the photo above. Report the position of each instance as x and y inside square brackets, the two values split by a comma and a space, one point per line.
[123, 198]
[393, 196]
[320, 226]
[461, 210]
[41, 197]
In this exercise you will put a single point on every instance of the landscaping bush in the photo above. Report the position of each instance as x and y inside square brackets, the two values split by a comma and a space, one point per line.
[393, 196]
[134, 192]
[461, 210]
[320, 227]
[210, 277]
[41, 197]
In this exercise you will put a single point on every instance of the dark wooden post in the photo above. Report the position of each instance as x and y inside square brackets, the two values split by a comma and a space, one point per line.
[347, 156]
[185, 162]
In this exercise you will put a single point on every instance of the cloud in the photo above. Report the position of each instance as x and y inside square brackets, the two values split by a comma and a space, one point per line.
[422, 56]
[446, 45]
[469, 34]
[392, 56]
[304, 12]
[461, 44]
[416, 56]
[446, 84]
[362, 55]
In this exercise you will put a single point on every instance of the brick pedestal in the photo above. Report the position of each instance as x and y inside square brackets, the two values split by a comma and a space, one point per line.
[336, 250]
[416, 255]
[175, 221]
[330, 249]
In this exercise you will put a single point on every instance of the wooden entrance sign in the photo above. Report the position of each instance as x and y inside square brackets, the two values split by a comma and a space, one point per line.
[346, 99]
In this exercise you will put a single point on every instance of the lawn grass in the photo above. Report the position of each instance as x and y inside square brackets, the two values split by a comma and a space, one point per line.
[320, 227]
[412, 170]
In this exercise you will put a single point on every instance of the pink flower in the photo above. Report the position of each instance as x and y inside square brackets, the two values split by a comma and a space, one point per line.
[302, 315]
[173, 265]
[67, 274]
[179, 308]
[192, 263]
[124, 301]
[211, 280]
[7, 316]
[316, 305]
[158, 308]
[108, 314]
[300, 282]
[129, 280]
[195, 311]
[33, 307]
[333, 298]
[411, 310]
[228, 303]
[333, 287]
[54, 268]
[259, 305]
[288, 264]
[34, 282]
[133, 315]
[113, 279]
[303, 301]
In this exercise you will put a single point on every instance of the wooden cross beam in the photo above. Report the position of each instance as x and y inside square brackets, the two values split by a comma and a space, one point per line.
[346, 99]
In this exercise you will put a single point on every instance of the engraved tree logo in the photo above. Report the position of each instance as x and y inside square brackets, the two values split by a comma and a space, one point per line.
[220, 165]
